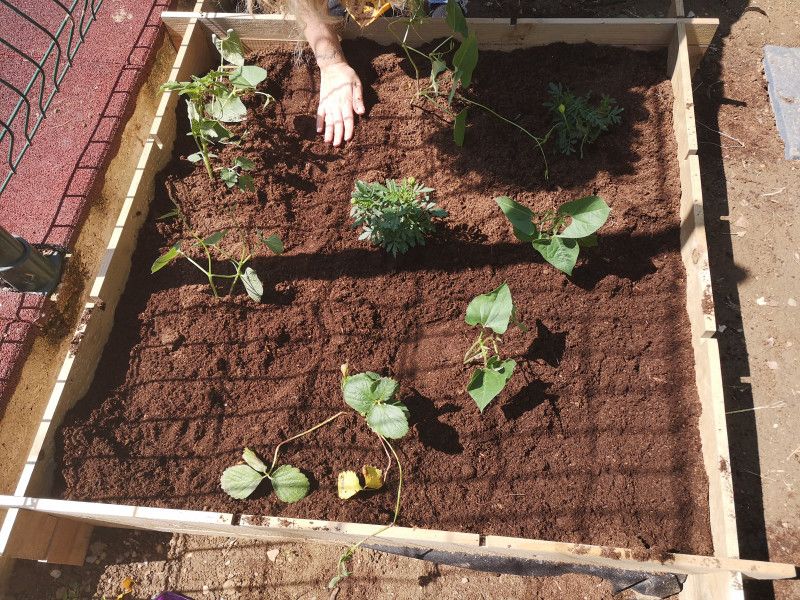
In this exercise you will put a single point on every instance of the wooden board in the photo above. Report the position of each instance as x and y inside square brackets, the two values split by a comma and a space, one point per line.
[210, 523]
[718, 573]
[258, 31]
[77, 370]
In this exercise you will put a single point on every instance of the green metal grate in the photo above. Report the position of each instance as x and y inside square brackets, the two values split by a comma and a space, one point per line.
[61, 37]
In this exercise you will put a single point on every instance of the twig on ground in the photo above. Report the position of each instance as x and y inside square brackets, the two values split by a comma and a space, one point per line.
[780, 404]
[722, 133]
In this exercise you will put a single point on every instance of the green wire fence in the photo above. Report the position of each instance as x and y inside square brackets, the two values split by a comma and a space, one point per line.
[61, 28]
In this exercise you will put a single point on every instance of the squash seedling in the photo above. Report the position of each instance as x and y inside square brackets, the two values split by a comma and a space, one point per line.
[373, 397]
[215, 98]
[396, 216]
[492, 312]
[210, 246]
[288, 482]
[558, 235]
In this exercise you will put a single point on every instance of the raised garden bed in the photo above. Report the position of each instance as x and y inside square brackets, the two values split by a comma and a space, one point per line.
[602, 436]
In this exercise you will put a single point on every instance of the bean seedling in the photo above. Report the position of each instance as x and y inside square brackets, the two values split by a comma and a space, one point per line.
[210, 246]
[396, 216]
[575, 121]
[558, 235]
[492, 312]
[215, 98]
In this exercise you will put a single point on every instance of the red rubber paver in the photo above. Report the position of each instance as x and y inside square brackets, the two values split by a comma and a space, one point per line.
[62, 172]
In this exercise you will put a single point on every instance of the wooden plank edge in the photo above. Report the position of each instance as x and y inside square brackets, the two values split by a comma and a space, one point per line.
[499, 33]
[212, 523]
[102, 296]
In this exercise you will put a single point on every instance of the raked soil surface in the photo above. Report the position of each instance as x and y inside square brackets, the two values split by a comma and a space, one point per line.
[594, 440]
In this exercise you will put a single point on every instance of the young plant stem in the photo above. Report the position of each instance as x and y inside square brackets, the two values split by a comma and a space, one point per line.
[348, 554]
[301, 434]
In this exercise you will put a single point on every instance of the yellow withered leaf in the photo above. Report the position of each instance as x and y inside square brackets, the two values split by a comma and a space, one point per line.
[348, 484]
[373, 477]
[366, 12]
[127, 585]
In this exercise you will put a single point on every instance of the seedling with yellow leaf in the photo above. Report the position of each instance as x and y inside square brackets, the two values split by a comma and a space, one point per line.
[373, 397]
[349, 484]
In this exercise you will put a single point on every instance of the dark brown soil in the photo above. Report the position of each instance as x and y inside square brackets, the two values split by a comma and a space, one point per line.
[594, 441]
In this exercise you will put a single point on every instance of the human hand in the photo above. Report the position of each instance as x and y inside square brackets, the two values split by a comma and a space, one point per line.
[339, 97]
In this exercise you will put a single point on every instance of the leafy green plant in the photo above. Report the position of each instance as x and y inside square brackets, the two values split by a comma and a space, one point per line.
[576, 122]
[492, 312]
[373, 397]
[558, 235]
[215, 98]
[396, 216]
[457, 75]
[210, 246]
[234, 176]
[288, 482]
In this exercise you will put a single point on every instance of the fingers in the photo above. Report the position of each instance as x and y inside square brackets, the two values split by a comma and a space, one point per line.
[358, 98]
[334, 126]
[320, 119]
[348, 120]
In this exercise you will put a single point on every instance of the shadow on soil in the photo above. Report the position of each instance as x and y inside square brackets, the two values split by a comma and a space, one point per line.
[726, 275]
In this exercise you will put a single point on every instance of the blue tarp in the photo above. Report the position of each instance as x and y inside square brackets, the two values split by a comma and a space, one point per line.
[782, 68]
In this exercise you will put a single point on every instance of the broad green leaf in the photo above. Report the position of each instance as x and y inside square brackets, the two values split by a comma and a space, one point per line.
[213, 239]
[195, 157]
[348, 485]
[373, 477]
[460, 127]
[228, 109]
[588, 215]
[289, 483]
[230, 48]
[240, 481]
[492, 310]
[252, 459]
[486, 383]
[384, 389]
[455, 18]
[521, 218]
[465, 59]
[245, 183]
[273, 242]
[248, 77]
[252, 284]
[166, 258]
[357, 391]
[244, 163]
[562, 253]
[388, 420]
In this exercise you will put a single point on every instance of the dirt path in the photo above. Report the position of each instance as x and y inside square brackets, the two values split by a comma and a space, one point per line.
[751, 200]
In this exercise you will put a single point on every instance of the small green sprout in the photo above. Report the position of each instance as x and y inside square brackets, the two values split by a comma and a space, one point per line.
[396, 216]
[549, 232]
[233, 175]
[576, 122]
[288, 482]
[492, 312]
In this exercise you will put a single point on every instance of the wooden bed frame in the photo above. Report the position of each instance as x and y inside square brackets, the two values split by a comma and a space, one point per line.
[59, 530]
